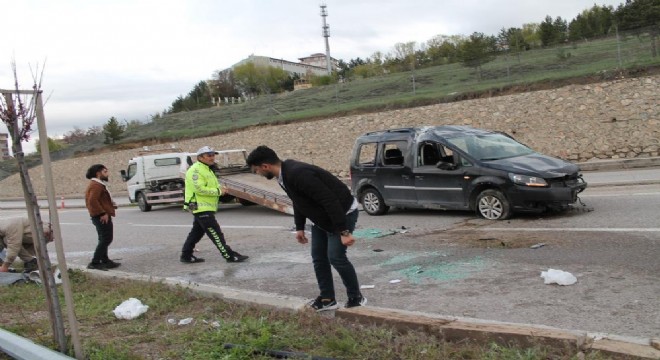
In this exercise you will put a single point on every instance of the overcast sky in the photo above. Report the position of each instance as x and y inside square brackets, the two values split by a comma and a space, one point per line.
[132, 58]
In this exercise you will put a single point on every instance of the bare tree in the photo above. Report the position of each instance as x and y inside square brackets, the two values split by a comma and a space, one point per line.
[18, 110]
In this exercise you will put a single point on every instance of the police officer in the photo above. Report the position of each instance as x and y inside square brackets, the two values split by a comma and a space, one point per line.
[201, 198]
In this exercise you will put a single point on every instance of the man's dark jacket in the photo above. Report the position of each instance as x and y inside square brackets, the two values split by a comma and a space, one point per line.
[317, 195]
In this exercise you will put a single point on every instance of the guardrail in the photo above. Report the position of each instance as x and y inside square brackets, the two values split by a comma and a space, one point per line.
[21, 348]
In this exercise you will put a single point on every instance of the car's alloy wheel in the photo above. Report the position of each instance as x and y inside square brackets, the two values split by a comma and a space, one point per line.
[493, 205]
[373, 202]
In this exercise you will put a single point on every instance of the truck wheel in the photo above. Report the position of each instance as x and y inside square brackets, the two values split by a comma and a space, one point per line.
[245, 202]
[373, 202]
[226, 199]
[493, 205]
[142, 202]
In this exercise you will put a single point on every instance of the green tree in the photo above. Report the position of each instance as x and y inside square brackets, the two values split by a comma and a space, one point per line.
[636, 14]
[561, 30]
[512, 41]
[553, 32]
[113, 131]
[640, 16]
[530, 33]
[256, 79]
[373, 66]
[547, 32]
[198, 98]
[223, 85]
[479, 49]
[53, 145]
[443, 49]
[404, 53]
[593, 22]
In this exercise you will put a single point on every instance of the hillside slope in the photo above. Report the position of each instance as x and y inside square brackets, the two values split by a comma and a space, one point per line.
[613, 119]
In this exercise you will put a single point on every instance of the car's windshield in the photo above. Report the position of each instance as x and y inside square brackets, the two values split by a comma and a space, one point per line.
[490, 147]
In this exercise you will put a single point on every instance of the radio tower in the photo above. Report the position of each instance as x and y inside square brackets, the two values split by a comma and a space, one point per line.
[326, 35]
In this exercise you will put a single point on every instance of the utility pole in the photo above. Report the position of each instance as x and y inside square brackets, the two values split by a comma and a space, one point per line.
[326, 35]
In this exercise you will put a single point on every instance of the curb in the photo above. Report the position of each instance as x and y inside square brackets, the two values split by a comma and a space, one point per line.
[446, 328]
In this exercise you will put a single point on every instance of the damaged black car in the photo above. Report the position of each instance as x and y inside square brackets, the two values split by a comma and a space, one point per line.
[459, 168]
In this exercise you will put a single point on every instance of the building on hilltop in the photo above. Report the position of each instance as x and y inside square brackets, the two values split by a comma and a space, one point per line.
[319, 60]
[311, 65]
[4, 146]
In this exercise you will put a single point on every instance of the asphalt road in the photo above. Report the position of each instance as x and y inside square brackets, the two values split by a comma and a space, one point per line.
[449, 263]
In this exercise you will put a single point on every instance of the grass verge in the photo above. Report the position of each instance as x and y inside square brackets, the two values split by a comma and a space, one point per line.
[253, 330]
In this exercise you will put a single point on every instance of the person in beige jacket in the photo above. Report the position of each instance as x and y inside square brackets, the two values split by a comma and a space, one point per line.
[16, 239]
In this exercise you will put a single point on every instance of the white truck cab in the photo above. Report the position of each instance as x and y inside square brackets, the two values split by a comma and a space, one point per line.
[162, 174]
[158, 178]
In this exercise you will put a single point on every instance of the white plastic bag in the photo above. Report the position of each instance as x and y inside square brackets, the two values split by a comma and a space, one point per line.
[560, 277]
[130, 309]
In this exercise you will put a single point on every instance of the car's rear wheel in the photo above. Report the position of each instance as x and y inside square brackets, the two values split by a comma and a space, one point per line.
[493, 205]
[373, 202]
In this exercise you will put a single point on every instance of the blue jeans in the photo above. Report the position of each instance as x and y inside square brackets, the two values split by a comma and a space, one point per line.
[327, 250]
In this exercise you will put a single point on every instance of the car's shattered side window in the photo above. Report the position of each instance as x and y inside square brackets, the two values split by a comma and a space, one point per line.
[367, 154]
[393, 153]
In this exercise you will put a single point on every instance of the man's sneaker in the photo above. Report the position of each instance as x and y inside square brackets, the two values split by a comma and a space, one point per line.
[97, 266]
[236, 257]
[191, 259]
[320, 304]
[356, 301]
[109, 264]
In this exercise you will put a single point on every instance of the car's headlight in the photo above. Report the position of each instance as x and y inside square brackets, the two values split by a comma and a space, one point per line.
[527, 180]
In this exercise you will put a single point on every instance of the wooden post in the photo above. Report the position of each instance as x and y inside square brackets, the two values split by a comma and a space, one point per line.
[55, 221]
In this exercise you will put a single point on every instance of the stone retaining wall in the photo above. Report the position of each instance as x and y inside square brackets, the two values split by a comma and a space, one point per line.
[610, 120]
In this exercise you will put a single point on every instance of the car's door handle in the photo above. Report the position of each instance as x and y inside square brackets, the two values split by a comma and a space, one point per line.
[405, 177]
[419, 177]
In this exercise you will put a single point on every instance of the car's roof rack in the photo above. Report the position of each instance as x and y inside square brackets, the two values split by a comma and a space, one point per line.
[399, 130]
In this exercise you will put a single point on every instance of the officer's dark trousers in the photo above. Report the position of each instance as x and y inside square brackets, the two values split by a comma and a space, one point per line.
[205, 223]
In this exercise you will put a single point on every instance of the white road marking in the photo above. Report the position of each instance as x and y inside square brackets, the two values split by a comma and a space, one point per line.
[576, 229]
[188, 225]
[620, 195]
[222, 226]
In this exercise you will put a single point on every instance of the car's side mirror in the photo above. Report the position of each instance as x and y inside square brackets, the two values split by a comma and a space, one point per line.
[124, 177]
[446, 166]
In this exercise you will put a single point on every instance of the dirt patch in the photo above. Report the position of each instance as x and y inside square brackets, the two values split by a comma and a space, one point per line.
[469, 238]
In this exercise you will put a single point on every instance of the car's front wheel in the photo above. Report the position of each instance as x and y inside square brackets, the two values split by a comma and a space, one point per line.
[493, 205]
[142, 202]
[373, 202]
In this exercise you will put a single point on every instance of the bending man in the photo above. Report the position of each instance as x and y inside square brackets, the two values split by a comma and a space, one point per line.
[16, 238]
[319, 196]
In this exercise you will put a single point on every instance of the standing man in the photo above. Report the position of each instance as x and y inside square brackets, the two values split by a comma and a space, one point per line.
[319, 196]
[101, 209]
[16, 238]
[201, 197]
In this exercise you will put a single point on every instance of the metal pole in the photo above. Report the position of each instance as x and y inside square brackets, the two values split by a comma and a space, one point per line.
[326, 35]
[55, 221]
[618, 46]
